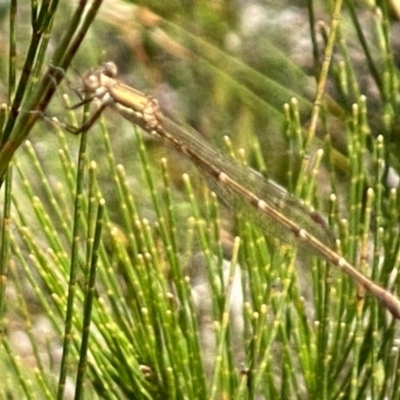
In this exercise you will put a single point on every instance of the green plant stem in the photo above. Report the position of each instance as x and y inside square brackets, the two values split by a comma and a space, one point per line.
[323, 74]
[73, 265]
[17, 130]
[4, 251]
[89, 297]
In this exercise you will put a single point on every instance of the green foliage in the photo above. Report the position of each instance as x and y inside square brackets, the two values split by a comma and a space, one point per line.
[122, 279]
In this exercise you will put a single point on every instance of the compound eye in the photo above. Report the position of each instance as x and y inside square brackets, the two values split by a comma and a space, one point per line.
[110, 69]
[92, 82]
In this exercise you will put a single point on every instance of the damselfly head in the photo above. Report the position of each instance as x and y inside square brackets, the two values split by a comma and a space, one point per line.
[94, 79]
[91, 82]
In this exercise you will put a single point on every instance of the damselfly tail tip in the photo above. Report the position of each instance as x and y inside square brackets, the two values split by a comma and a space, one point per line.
[392, 303]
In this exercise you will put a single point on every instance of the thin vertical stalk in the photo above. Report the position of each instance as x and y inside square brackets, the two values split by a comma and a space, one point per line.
[88, 305]
[73, 265]
[4, 252]
[323, 75]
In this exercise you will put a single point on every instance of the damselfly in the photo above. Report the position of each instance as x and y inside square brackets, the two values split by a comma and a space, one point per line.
[234, 183]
